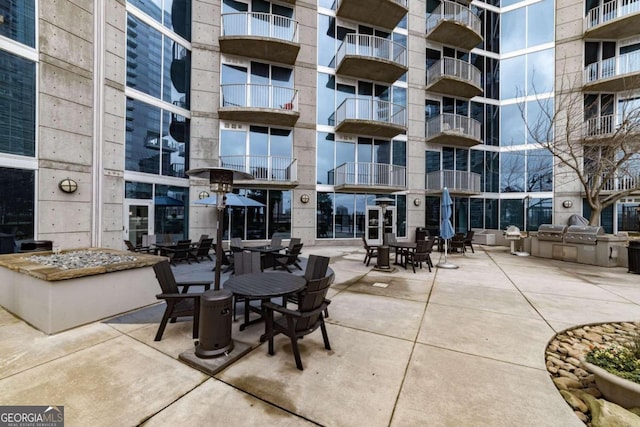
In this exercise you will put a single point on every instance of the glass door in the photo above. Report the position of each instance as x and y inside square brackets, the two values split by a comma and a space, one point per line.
[138, 220]
[373, 232]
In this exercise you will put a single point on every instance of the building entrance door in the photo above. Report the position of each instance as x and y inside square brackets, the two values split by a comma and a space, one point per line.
[376, 226]
[138, 220]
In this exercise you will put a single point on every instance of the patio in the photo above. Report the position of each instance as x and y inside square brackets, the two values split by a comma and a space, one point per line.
[451, 347]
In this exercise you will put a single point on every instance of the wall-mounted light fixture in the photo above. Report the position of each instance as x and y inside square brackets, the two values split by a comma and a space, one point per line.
[417, 201]
[304, 198]
[203, 195]
[567, 204]
[68, 185]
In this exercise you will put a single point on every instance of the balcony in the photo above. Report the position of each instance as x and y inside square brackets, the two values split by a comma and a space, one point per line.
[366, 116]
[266, 170]
[371, 58]
[453, 130]
[265, 104]
[616, 19]
[621, 127]
[624, 182]
[617, 74]
[377, 13]
[454, 77]
[260, 36]
[458, 182]
[370, 176]
[455, 25]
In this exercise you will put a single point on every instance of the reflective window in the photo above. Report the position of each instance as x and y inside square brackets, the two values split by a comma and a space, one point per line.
[492, 174]
[540, 23]
[476, 209]
[513, 30]
[399, 153]
[513, 77]
[492, 123]
[155, 140]
[477, 165]
[324, 215]
[146, 47]
[325, 158]
[511, 176]
[138, 190]
[432, 161]
[512, 126]
[19, 21]
[17, 196]
[511, 213]
[539, 123]
[540, 72]
[171, 215]
[344, 217]
[491, 213]
[539, 211]
[173, 14]
[539, 170]
[18, 105]
[327, 4]
[326, 40]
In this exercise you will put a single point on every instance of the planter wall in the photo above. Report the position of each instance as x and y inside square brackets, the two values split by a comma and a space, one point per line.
[615, 389]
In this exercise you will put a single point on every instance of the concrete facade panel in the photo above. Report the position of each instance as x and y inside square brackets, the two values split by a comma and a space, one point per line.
[65, 115]
[58, 145]
[59, 43]
[64, 84]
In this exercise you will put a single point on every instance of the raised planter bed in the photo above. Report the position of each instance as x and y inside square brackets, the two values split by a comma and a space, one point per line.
[618, 390]
[53, 300]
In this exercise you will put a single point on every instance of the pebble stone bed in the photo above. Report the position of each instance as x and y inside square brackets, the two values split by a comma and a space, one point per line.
[565, 352]
[80, 259]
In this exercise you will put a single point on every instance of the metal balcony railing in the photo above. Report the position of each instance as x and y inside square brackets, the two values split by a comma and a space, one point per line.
[621, 183]
[454, 123]
[451, 67]
[260, 25]
[259, 96]
[609, 11]
[450, 11]
[403, 3]
[371, 109]
[455, 181]
[370, 174]
[610, 124]
[612, 67]
[263, 168]
[373, 47]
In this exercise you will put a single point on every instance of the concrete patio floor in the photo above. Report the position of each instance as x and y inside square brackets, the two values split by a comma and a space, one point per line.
[458, 347]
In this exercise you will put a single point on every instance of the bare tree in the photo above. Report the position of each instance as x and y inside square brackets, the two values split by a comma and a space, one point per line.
[595, 139]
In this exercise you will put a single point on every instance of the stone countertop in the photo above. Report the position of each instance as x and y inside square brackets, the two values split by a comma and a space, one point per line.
[20, 263]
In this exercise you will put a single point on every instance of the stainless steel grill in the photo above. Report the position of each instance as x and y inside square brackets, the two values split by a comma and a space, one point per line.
[512, 233]
[551, 232]
[584, 234]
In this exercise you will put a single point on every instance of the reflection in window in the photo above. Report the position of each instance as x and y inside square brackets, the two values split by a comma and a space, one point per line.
[17, 103]
[19, 21]
[512, 126]
[540, 69]
[171, 215]
[173, 14]
[539, 211]
[476, 210]
[17, 196]
[511, 176]
[324, 216]
[511, 213]
[512, 30]
[540, 23]
[491, 213]
[155, 137]
[539, 170]
[512, 77]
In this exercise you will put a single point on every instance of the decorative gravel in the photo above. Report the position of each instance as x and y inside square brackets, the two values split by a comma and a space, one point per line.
[80, 259]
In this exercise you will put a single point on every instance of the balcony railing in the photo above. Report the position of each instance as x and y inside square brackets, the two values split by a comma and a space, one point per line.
[260, 25]
[259, 96]
[373, 47]
[370, 174]
[613, 67]
[621, 183]
[455, 181]
[453, 123]
[451, 11]
[263, 168]
[451, 67]
[372, 110]
[609, 11]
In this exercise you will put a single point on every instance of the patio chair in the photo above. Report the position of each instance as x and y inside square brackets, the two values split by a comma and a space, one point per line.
[202, 249]
[289, 259]
[245, 263]
[236, 244]
[142, 249]
[316, 268]
[294, 241]
[457, 243]
[420, 255]
[371, 252]
[179, 252]
[468, 239]
[300, 322]
[179, 304]
[227, 259]
[276, 241]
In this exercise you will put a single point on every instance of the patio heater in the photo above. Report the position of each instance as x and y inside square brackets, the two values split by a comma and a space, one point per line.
[215, 304]
[383, 251]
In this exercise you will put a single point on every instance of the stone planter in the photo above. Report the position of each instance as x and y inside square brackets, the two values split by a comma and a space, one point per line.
[615, 389]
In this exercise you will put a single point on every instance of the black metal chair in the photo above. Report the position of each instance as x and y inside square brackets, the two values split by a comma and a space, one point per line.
[179, 304]
[276, 241]
[457, 243]
[244, 263]
[371, 252]
[421, 254]
[289, 259]
[179, 252]
[468, 240]
[142, 249]
[300, 322]
[201, 251]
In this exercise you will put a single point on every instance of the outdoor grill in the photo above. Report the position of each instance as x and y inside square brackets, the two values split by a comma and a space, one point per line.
[551, 232]
[512, 233]
[583, 234]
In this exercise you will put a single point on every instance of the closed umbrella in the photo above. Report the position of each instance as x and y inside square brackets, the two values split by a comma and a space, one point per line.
[446, 228]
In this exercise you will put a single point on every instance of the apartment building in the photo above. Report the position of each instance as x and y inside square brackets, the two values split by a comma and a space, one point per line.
[350, 115]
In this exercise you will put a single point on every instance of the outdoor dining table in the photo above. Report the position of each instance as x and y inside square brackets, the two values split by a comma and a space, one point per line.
[263, 287]
[267, 253]
[403, 248]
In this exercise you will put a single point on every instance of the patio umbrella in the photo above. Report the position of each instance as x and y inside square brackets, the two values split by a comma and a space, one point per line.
[231, 200]
[446, 229]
